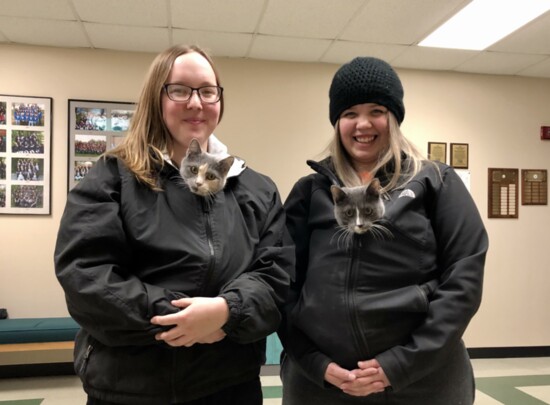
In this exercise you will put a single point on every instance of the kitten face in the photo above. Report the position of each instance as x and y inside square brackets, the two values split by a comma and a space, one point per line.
[204, 173]
[356, 209]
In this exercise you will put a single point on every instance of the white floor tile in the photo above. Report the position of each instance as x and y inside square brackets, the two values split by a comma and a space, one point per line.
[483, 399]
[542, 392]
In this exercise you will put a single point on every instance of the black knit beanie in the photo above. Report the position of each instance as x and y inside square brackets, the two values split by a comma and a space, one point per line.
[366, 80]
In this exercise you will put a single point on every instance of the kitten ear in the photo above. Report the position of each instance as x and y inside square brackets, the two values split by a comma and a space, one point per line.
[194, 147]
[337, 194]
[225, 164]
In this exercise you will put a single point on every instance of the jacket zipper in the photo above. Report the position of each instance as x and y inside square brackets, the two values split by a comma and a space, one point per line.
[210, 242]
[86, 358]
[360, 340]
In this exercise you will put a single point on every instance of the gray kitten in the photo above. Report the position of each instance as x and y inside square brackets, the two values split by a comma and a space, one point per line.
[357, 209]
[205, 174]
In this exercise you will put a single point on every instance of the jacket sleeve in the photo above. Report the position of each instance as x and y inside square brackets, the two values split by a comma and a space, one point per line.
[296, 344]
[92, 265]
[257, 296]
[462, 244]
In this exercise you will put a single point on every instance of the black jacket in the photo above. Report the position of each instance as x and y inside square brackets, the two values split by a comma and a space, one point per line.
[124, 252]
[405, 298]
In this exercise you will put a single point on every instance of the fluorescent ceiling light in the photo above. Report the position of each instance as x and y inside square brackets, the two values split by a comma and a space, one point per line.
[483, 22]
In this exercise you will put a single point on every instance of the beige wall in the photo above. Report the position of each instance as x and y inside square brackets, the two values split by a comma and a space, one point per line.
[276, 118]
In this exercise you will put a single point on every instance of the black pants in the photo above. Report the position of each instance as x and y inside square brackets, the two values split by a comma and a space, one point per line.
[249, 393]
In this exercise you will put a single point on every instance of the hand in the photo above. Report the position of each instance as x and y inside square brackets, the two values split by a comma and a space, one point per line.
[337, 375]
[369, 378]
[199, 321]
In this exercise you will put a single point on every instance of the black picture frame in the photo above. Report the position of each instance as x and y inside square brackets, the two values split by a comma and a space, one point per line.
[94, 126]
[25, 154]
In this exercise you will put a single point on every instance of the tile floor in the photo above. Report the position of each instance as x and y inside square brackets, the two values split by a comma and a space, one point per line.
[520, 381]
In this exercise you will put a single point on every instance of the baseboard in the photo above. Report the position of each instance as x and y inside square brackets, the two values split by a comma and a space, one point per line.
[508, 352]
[36, 370]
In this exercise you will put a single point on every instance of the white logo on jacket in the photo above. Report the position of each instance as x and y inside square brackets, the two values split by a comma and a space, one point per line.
[407, 193]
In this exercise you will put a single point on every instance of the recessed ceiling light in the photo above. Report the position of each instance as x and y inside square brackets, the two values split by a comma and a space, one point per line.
[483, 22]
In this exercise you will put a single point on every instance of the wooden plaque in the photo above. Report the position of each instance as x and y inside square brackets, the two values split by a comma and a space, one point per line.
[503, 193]
[534, 187]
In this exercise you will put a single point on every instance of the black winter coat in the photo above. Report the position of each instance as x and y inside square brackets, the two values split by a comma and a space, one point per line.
[124, 252]
[404, 299]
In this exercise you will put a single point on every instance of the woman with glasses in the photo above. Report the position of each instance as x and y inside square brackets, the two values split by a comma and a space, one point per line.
[175, 293]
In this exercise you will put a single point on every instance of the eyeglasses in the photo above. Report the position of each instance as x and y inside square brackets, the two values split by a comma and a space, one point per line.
[180, 93]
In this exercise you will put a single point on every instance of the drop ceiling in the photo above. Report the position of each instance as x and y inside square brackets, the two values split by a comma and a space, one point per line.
[325, 31]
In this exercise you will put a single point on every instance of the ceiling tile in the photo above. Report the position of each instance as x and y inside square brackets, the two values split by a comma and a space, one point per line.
[220, 44]
[331, 31]
[398, 21]
[307, 18]
[499, 63]
[541, 69]
[214, 15]
[532, 38]
[44, 32]
[54, 9]
[417, 57]
[137, 39]
[344, 51]
[289, 49]
[151, 13]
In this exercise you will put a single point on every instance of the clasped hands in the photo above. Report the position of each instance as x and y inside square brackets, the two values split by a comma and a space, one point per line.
[199, 321]
[365, 380]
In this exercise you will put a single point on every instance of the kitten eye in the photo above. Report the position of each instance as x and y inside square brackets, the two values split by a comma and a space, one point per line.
[194, 169]
[349, 213]
[210, 176]
[368, 211]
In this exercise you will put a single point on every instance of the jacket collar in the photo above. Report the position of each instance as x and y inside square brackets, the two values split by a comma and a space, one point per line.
[326, 168]
[216, 147]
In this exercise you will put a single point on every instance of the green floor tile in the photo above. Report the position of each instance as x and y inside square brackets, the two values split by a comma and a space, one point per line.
[23, 402]
[504, 389]
[272, 391]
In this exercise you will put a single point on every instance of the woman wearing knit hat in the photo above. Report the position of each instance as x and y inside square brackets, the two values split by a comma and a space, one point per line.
[380, 320]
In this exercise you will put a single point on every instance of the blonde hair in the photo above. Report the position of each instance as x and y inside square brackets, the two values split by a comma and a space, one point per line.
[399, 147]
[148, 138]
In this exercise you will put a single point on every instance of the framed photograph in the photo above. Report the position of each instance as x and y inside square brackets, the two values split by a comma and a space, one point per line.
[459, 155]
[94, 128]
[437, 151]
[25, 155]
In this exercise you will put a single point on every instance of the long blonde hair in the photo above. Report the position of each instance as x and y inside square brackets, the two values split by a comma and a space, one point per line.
[399, 145]
[148, 138]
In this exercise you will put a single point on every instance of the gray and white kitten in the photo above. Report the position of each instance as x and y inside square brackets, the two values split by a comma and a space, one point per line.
[204, 173]
[357, 209]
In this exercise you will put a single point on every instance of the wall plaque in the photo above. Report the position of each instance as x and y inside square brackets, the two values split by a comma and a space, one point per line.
[503, 193]
[534, 187]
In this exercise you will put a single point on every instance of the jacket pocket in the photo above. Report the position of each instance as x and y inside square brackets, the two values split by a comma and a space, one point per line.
[406, 299]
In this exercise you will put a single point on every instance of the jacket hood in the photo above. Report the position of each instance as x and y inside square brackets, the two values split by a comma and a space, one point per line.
[217, 148]
[326, 168]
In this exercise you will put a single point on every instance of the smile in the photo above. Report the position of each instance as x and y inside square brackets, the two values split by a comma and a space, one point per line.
[364, 139]
[194, 121]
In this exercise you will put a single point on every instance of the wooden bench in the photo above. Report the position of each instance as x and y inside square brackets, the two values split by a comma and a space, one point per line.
[29, 346]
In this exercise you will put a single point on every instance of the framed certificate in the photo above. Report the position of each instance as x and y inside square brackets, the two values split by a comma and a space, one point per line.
[437, 151]
[459, 155]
